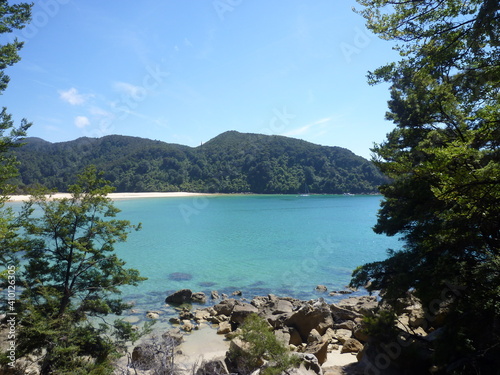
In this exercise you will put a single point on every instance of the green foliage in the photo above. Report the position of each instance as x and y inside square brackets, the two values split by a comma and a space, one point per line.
[381, 326]
[12, 17]
[261, 343]
[444, 161]
[231, 162]
[70, 275]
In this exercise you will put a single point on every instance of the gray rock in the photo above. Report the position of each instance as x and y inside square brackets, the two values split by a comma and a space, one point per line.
[364, 305]
[321, 288]
[359, 333]
[342, 314]
[308, 318]
[143, 357]
[241, 311]
[201, 315]
[225, 307]
[224, 328]
[199, 297]
[341, 335]
[214, 294]
[348, 324]
[179, 297]
[313, 337]
[319, 349]
[175, 335]
[309, 365]
[187, 326]
[283, 336]
[152, 315]
[214, 366]
[352, 346]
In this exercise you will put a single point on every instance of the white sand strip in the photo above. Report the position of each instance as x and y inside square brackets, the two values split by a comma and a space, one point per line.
[116, 196]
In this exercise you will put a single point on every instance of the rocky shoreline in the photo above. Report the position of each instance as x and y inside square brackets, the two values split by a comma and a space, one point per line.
[312, 329]
[328, 338]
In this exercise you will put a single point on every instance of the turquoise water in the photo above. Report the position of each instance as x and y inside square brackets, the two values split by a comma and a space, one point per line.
[284, 245]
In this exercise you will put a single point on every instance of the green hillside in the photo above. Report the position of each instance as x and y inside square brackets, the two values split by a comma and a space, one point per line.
[231, 162]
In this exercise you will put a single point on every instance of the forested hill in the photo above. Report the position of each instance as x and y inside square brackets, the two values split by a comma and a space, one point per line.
[231, 162]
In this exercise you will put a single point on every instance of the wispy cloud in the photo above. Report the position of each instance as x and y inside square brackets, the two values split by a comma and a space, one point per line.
[98, 111]
[72, 96]
[129, 89]
[317, 125]
[81, 122]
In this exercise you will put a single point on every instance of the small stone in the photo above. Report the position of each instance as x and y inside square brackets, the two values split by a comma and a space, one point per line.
[351, 346]
[321, 288]
[187, 326]
[199, 297]
[214, 294]
[224, 328]
[152, 315]
[175, 320]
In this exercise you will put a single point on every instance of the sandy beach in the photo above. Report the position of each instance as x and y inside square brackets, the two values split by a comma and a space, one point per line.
[117, 196]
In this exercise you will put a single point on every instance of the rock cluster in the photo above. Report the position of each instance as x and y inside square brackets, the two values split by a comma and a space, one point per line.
[312, 327]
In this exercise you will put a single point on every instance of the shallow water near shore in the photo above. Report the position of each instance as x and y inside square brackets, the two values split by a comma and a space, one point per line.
[258, 244]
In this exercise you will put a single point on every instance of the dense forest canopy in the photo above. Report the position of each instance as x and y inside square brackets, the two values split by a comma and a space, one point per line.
[443, 157]
[231, 162]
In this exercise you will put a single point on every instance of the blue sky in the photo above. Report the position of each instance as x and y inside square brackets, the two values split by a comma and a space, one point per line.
[185, 71]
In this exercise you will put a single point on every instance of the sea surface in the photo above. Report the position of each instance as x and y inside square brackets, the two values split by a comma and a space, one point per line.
[257, 244]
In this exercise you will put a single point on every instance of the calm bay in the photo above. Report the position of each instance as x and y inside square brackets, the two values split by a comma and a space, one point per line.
[258, 244]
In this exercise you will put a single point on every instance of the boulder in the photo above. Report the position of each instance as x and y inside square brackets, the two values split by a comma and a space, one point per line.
[313, 337]
[237, 293]
[236, 356]
[280, 306]
[224, 328]
[309, 365]
[199, 297]
[175, 320]
[259, 302]
[341, 314]
[186, 315]
[180, 297]
[241, 311]
[187, 326]
[153, 315]
[348, 324]
[364, 305]
[201, 315]
[308, 318]
[295, 338]
[319, 349]
[214, 294]
[214, 366]
[321, 288]
[359, 333]
[143, 357]
[225, 307]
[351, 346]
[283, 336]
[175, 335]
[341, 335]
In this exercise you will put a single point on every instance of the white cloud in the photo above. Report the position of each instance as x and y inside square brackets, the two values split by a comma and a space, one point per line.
[97, 111]
[306, 128]
[72, 96]
[129, 89]
[81, 122]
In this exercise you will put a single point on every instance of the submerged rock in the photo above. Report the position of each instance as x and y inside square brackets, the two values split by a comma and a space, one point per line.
[321, 288]
[179, 297]
[199, 297]
[180, 276]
